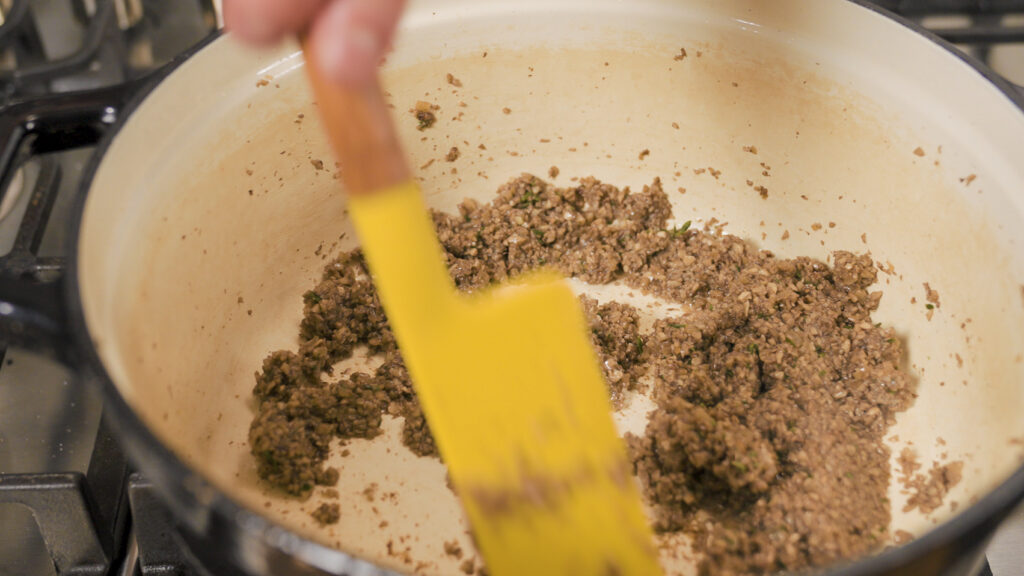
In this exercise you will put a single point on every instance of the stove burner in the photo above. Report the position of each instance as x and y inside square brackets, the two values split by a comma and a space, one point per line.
[118, 41]
[129, 12]
[21, 31]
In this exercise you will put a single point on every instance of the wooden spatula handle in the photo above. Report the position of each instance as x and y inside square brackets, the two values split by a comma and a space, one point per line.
[360, 130]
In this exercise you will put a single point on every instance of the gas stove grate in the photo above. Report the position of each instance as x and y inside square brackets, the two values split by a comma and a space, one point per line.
[116, 42]
[23, 31]
[932, 7]
[81, 517]
[973, 24]
[52, 109]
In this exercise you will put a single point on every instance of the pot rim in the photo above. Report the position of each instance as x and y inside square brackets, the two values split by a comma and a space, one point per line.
[984, 515]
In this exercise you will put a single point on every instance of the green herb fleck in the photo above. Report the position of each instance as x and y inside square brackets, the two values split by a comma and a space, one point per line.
[528, 199]
[311, 298]
[752, 349]
[680, 230]
[740, 466]
[930, 306]
[819, 350]
[673, 325]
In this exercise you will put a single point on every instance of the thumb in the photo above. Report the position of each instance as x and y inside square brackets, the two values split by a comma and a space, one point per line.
[351, 36]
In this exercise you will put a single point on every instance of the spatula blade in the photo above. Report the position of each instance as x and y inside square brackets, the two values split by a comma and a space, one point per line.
[515, 399]
[525, 414]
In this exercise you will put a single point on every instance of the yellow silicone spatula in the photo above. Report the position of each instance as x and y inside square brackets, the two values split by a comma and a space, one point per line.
[508, 380]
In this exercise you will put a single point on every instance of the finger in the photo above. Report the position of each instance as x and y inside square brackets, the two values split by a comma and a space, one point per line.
[351, 36]
[267, 21]
[379, 15]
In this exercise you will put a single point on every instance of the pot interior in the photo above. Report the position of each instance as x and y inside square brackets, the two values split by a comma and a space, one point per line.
[207, 219]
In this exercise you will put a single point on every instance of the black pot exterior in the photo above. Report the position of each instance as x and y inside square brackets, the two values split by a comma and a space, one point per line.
[230, 540]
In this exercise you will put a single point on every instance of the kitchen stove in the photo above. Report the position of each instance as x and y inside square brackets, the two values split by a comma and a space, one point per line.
[69, 502]
[65, 488]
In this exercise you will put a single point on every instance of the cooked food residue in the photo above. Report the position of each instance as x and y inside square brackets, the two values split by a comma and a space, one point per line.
[326, 514]
[425, 115]
[774, 389]
[927, 492]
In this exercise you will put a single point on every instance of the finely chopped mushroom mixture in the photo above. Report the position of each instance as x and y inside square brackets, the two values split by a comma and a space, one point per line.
[773, 392]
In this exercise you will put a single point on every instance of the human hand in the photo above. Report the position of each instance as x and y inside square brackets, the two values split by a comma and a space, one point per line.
[349, 36]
